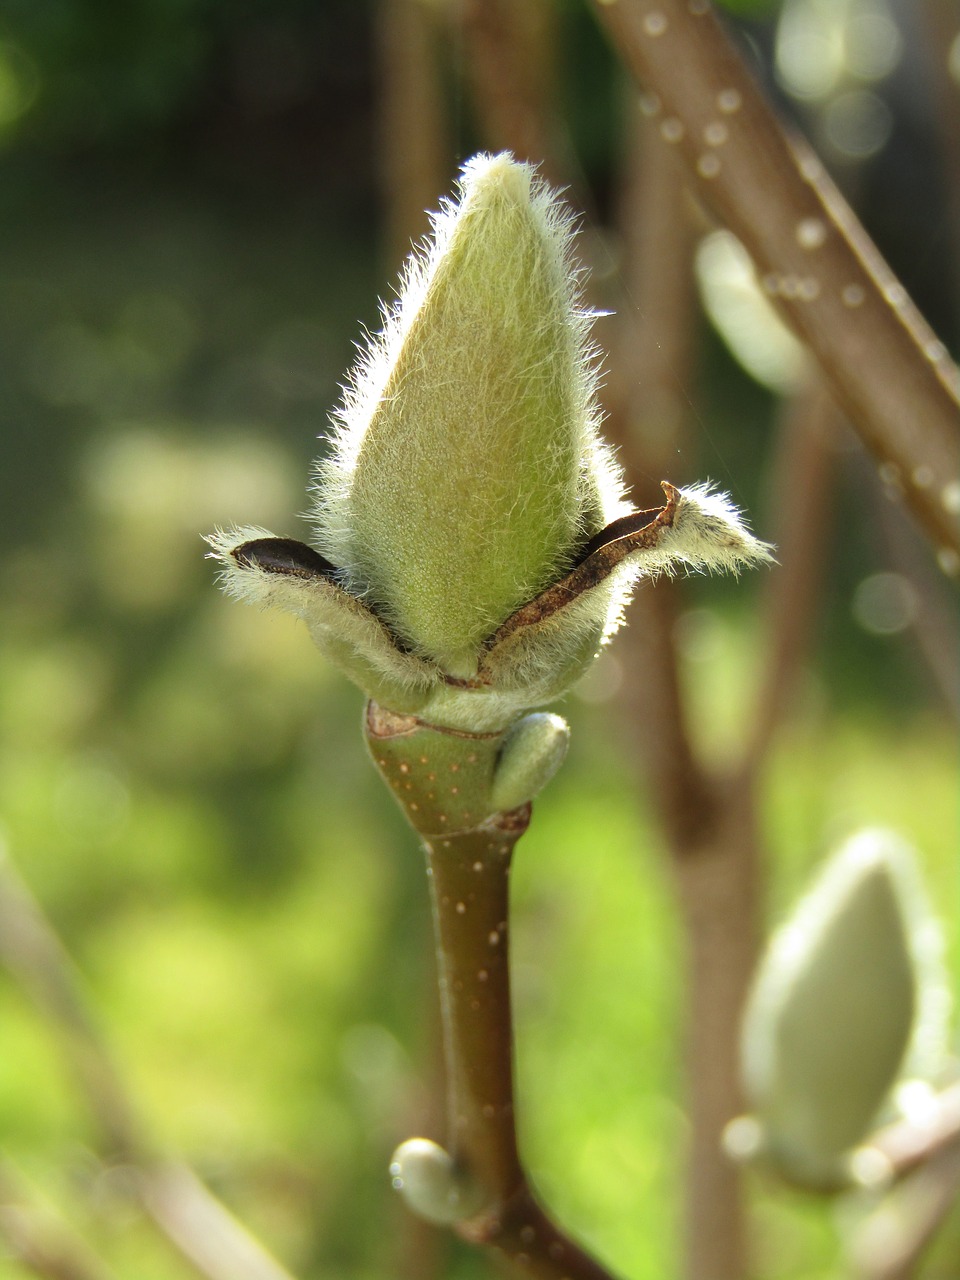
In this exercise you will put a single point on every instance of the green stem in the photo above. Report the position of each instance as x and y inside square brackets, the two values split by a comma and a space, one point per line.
[442, 779]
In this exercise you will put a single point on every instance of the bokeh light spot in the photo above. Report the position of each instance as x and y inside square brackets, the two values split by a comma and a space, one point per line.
[19, 83]
[885, 604]
[857, 124]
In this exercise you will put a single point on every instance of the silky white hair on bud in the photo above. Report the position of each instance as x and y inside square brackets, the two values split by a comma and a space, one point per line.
[467, 486]
[342, 627]
[708, 533]
[492, 299]
[376, 357]
[244, 583]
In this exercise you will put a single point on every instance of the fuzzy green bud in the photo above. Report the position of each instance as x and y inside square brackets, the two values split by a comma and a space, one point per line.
[467, 471]
[834, 1008]
[473, 548]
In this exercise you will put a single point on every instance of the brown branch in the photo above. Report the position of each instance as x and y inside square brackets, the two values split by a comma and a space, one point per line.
[414, 145]
[469, 878]
[880, 359]
[905, 1145]
[509, 59]
[189, 1217]
[442, 780]
[648, 414]
[719, 884]
[201, 1227]
[800, 490]
[475, 994]
[651, 348]
[709, 824]
[939, 27]
[934, 629]
[682, 790]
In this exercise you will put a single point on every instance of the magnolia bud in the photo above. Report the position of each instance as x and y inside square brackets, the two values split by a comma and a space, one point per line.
[473, 548]
[833, 1009]
[467, 472]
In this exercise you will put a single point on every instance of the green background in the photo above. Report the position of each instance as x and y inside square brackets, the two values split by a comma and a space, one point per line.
[189, 231]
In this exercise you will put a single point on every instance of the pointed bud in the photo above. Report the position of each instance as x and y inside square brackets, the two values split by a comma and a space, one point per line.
[834, 1007]
[473, 549]
[467, 472]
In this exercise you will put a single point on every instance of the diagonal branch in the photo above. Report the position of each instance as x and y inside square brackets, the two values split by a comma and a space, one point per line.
[882, 362]
[189, 1216]
[38, 1241]
[905, 1145]
[891, 1244]
[33, 953]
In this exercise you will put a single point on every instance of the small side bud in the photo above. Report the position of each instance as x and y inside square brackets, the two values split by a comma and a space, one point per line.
[532, 752]
[432, 1184]
[833, 1010]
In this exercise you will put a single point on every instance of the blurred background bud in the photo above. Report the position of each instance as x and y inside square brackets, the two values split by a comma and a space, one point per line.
[848, 985]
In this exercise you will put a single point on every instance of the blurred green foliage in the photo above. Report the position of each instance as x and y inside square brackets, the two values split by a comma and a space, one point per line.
[186, 254]
[92, 73]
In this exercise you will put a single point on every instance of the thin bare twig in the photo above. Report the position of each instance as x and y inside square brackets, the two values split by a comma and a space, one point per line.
[42, 1244]
[709, 826]
[32, 951]
[651, 349]
[891, 1243]
[648, 416]
[719, 884]
[940, 27]
[509, 52]
[189, 1217]
[201, 1227]
[881, 360]
[905, 1145]
[800, 487]
[934, 629]
[414, 146]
